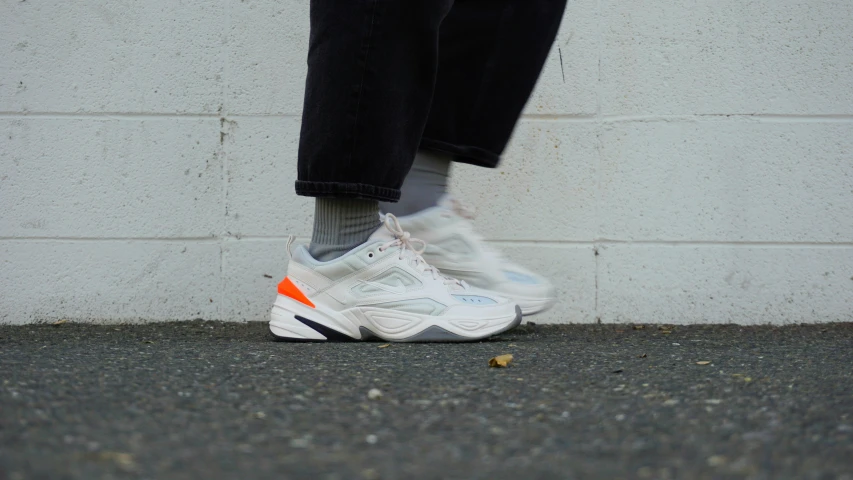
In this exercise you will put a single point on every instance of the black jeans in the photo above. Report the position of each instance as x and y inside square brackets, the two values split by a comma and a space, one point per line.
[386, 77]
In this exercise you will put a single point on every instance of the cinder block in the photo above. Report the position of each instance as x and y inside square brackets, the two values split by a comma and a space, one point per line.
[571, 268]
[103, 56]
[569, 80]
[727, 57]
[727, 181]
[269, 41]
[94, 281]
[64, 177]
[251, 269]
[261, 173]
[266, 51]
[543, 190]
[725, 284]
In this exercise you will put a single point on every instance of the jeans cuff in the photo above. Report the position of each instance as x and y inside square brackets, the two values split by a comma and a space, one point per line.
[463, 153]
[347, 190]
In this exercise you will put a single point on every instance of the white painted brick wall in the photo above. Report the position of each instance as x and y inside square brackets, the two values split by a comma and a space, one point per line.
[680, 162]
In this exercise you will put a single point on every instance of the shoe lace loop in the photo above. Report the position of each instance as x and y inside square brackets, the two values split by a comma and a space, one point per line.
[405, 241]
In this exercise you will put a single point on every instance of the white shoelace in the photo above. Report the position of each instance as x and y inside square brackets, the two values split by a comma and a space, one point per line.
[405, 241]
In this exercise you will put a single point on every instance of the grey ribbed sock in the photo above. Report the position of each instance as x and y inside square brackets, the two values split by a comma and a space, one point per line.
[341, 224]
[424, 186]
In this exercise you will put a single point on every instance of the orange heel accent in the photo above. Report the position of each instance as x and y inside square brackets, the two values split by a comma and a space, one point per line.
[288, 289]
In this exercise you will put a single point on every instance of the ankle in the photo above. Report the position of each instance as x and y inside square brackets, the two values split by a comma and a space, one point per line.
[341, 224]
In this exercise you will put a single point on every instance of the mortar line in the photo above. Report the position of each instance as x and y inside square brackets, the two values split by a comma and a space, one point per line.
[543, 117]
[768, 118]
[225, 138]
[506, 242]
[760, 117]
[568, 118]
[108, 115]
[600, 155]
[781, 118]
[667, 243]
[203, 240]
[256, 116]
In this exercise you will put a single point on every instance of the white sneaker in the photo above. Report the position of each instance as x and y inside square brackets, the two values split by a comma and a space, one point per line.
[384, 289]
[459, 252]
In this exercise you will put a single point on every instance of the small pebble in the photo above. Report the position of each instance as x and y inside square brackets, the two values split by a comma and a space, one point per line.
[374, 394]
[371, 439]
[300, 443]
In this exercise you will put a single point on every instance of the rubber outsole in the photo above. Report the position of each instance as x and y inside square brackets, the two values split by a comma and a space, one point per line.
[432, 334]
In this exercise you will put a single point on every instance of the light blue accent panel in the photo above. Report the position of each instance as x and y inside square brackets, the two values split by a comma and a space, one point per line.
[520, 278]
[475, 299]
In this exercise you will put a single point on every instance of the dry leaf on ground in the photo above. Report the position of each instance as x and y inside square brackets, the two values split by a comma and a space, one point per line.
[385, 346]
[703, 362]
[60, 322]
[500, 361]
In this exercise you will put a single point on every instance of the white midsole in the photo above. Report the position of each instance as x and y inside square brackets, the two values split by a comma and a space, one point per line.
[531, 306]
[387, 324]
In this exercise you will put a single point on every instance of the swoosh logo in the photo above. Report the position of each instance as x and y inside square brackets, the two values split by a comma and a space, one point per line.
[396, 289]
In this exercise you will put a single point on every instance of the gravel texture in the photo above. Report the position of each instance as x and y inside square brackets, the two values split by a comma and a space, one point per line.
[220, 400]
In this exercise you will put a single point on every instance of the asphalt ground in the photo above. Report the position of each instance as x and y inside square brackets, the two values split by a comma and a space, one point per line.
[217, 400]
